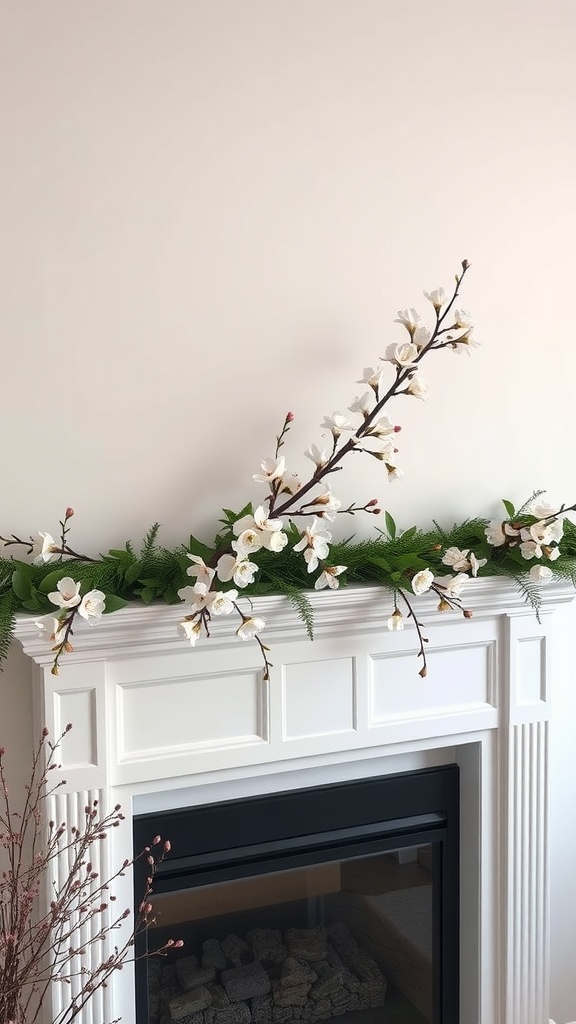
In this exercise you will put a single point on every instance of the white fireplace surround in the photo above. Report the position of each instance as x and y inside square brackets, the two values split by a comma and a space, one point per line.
[159, 725]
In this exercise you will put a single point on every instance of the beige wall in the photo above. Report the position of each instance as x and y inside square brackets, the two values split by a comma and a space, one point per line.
[211, 212]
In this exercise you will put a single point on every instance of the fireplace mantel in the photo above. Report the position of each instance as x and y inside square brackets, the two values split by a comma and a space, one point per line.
[159, 724]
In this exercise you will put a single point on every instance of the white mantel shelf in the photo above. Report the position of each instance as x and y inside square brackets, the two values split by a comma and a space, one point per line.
[361, 609]
[157, 723]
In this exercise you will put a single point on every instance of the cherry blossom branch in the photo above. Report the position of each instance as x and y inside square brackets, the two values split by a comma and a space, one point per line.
[402, 375]
[422, 639]
[37, 950]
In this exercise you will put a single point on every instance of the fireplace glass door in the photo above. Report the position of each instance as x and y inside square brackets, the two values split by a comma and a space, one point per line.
[357, 921]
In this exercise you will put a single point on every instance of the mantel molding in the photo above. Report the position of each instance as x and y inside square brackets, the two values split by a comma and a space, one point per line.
[139, 628]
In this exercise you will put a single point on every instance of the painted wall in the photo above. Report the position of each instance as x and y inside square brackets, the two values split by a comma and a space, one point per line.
[211, 212]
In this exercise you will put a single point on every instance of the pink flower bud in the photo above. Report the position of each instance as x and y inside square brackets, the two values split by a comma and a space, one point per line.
[68, 727]
[45, 731]
[167, 846]
[178, 944]
[156, 840]
[69, 513]
[397, 429]
[289, 417]
[372, 502]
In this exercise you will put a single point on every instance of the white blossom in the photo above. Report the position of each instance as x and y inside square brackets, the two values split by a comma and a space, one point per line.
[223, 602]
[372, 377]
[437, 297]
[456, 558]
[421, 336]
[318, 456]
[530, 549]
[190, 630]
[261, 531]
[262, 522]
[541, 509]
[396, 620]
[539, 532]
[273, 540]
[336, 423]
[364, 404]
[51, 630]
[272, 469]
[248, 542]
[417, 387]
[250, 627]
[463, 320]
[67, 594]
[240, 570]
[541, 574]
[394, 473]
[422, 581]
[92, 606]
[552, 554]
[198, 596]
[465, 343]
[403, 355]
[556, 527]
[44, 549]
[452, 585]
[495, 533]
[314, 543]
[291, 483]
[476, 563]
[203, 572]
[328, 503]
[382, 428]
[328, 578]
[409, 318]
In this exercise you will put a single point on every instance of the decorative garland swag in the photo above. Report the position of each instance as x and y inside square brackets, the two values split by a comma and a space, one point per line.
[283, 543]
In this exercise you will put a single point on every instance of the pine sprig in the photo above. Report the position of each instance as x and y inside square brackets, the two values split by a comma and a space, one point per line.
[301, 602]
[149, 546]
[8, 608]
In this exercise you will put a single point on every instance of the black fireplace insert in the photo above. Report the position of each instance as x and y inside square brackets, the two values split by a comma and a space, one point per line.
[303, 906]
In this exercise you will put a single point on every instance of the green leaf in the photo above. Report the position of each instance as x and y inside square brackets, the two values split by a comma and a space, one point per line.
[390, 525]
[132, 572]
[21, 584]
[113, 603]
[409, 534]
[410, 561]
[120, 555]
[147, 594]
[509, 508]
[381, 563]
[198, 548]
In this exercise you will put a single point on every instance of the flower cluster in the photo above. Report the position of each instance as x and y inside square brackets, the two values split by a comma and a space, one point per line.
[284, 543]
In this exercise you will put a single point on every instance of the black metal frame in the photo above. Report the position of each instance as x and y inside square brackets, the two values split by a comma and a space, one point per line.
[257, 835]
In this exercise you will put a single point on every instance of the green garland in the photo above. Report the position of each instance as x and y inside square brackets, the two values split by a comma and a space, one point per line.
[156, 573]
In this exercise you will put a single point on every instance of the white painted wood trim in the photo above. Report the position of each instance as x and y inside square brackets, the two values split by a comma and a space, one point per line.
[157, 723]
